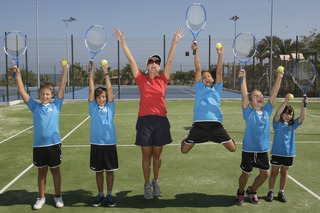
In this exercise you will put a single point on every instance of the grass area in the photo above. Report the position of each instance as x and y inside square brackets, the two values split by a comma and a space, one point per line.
[204, 180]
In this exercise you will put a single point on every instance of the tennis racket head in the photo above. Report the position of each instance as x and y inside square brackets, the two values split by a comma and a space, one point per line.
[15, 45]
[303, 74]
[196, 18]
[244, 46]
[95, 39]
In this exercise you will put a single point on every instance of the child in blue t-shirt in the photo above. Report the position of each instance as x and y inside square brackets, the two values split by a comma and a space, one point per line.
[256, 141]
[103, 155]
[283, 148]
[207, 116]
[46, 136]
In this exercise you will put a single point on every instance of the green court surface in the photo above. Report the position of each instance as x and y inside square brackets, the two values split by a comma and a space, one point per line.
[204, 180]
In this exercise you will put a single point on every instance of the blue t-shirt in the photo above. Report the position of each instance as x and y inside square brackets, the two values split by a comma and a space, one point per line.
[257, 133]
[45, 122]
[207, 102]
[283, 141]
[103, 131]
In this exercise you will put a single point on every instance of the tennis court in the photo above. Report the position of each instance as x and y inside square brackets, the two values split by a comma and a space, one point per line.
[204, 180]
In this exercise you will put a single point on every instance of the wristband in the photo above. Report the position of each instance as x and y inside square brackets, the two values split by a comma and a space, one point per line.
[106, 74]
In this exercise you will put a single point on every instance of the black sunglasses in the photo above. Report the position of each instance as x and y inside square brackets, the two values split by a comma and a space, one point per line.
[152, 61]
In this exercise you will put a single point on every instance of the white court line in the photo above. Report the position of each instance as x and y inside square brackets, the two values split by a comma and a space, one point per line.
[29, 167]
[15, 179]
[187, 92]
[316, 116]
[305, 188]
[178, 144]
[16, 134]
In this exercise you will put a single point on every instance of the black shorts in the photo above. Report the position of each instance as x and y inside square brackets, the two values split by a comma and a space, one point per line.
[47, 156]
[103, 157]
[153, 130]
[281, 161]
[254, 159]
[207, 131]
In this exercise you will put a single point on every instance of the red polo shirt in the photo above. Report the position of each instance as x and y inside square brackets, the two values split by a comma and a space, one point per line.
[152, 92]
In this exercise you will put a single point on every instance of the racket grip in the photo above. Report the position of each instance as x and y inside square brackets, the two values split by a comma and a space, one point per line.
[304, 103]
[194, 51]
[89, 70]
[15, 76]
[241, 78]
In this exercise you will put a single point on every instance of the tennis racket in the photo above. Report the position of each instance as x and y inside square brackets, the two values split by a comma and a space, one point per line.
[15, 45]
[196, 18]
[244, 48]
[303, 74]
[95, 40]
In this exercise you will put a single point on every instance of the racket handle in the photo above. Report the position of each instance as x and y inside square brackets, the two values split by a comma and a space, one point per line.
[89, 70]
[241, 78]
[304, 103]
[194, 51]
[15, 75]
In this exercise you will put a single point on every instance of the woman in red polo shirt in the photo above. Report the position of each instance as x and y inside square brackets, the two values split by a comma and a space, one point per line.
[153, 127]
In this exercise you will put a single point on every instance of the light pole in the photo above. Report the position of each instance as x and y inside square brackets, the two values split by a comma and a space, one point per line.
[37, 35]
[71, 19]
[271, 48]
[234, 18]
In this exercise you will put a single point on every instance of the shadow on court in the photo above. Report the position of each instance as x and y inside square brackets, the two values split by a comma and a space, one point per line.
[197, 200]
[77, 198]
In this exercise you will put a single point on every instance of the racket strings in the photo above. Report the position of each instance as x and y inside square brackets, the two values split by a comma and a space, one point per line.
[196, 18]
[303, 74]
[95, 39]
[15, 45]
[244, 46]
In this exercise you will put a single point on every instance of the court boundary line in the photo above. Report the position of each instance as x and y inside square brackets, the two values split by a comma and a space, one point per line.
[16, 134]
[31, 165]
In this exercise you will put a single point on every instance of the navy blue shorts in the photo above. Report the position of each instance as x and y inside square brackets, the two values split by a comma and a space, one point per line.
[281, 161]
[254, 159]
[153, 130]
[207, 131]
[47, 156]
[103, 157]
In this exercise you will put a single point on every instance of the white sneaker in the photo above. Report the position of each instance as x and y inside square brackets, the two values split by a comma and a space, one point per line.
[58, 201]
[147, 192]
[156, 188]
[39, 203]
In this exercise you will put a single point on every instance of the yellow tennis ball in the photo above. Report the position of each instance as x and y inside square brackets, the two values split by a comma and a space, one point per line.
[104, 62]
[291, 97]
[218, 46]
[280, 68]
[64, 62]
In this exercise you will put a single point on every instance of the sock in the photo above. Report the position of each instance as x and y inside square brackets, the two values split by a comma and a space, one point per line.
[101, 194]
[109, 193]
[281, 190]
[270, 190]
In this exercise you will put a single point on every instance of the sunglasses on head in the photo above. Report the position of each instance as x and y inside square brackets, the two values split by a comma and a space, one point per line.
[152, 61]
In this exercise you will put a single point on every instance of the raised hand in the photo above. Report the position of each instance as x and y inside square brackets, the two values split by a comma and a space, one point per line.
[118, 35]
[178, 35]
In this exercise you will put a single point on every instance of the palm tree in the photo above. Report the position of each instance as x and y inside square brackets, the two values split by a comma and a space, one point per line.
[285, 47]
[262, 51]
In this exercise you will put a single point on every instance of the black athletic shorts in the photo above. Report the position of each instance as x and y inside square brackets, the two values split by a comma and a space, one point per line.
[153, 130]
[207, 131]
[47, 156]
[281, 161]
[103, 157]
[254, 159]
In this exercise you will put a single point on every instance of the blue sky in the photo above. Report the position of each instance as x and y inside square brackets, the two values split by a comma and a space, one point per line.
[152, 19]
